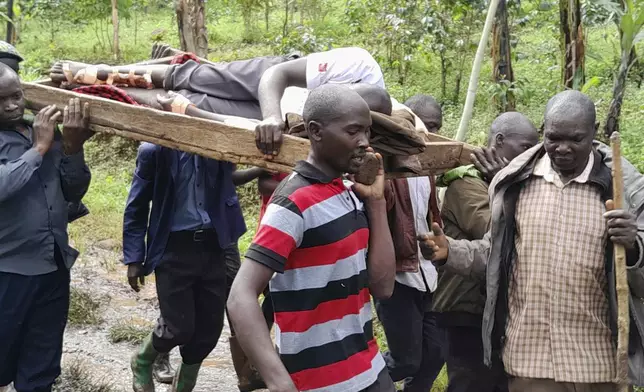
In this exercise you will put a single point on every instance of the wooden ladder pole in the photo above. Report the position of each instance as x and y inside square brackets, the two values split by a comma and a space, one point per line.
[623, 293]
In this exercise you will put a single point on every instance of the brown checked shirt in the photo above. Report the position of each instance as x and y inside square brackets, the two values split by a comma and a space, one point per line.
[558, 323]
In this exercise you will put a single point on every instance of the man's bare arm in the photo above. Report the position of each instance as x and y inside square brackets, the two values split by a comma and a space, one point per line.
[381, 262]
[268, 134]
[275, 80]
[244, 176]
[250, 326]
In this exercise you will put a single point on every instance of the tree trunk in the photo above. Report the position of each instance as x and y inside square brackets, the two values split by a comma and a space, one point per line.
[457, 86]
[191, 22]
[619, 88]
[468, 108]
[572, 44]
[115, 29]
[247, 15]
[285, 27]
[443, 76]
[267, 12]
[10, 36]
[502, 55]
[136, 26]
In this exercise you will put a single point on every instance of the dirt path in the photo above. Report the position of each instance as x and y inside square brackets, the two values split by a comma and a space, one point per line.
[100, 272]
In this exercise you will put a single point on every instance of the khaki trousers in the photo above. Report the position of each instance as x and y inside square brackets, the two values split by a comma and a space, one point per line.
[518, 384]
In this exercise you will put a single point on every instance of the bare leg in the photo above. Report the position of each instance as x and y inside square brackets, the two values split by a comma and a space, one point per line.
[142, 76]
[145, 97]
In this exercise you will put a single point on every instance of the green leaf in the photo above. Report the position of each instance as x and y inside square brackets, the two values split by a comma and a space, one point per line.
[610, 6]
[593, 82]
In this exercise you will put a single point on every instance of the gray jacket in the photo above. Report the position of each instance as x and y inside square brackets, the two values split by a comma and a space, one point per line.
[492, 256]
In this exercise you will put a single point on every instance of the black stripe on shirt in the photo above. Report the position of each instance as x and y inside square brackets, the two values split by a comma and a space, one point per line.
[330, 353]
[287, 203]
[335, 230]
[309, 299]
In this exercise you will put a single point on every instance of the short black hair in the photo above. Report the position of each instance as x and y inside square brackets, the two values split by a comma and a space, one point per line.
[419, 102]
[377, 98]
[6, 69]
[328, 102]
[508, 123]
[571, 101]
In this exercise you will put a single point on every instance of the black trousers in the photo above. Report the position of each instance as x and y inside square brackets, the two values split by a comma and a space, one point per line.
[191, 286]
[414, 338]
[33, 316]
[233, 262]
[465, 367]
[226, 88]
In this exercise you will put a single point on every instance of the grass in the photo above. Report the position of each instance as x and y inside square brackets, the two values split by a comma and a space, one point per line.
[128, 331]
[77, 377]
[84, 309]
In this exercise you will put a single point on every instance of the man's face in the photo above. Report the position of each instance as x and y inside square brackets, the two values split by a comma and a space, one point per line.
[345, 140]
[12, 101]
[432, 118]
[516, 143]
[568, 142]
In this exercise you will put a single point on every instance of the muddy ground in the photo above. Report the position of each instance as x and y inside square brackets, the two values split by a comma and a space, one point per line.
[100, 272]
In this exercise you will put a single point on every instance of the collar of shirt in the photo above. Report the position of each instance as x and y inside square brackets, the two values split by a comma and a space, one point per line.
[314, 174]
[544, 169]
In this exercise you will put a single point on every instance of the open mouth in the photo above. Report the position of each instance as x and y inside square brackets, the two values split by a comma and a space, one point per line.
[358, 160]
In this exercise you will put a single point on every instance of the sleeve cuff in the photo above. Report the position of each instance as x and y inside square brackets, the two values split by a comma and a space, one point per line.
[640, 260]
[264, 259]
[454, 254]
[33, 158]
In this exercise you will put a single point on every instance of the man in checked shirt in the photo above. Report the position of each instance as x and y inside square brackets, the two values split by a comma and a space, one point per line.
[551, 295]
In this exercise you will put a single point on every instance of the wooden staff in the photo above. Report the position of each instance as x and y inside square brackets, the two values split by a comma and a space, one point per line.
[623, 293]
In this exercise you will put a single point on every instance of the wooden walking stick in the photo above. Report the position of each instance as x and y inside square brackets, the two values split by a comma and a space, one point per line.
[623, 293]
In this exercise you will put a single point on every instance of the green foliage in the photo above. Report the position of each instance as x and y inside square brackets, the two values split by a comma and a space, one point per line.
[84, 309]
[302, 38]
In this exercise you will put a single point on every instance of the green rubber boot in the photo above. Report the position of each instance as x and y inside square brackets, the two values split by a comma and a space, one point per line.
[186, 378]
[142, 364]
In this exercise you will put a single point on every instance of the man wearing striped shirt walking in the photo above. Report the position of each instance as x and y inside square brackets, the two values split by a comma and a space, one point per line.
[315, 235]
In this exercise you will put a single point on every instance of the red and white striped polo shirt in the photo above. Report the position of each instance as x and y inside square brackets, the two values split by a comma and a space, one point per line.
[315, 235]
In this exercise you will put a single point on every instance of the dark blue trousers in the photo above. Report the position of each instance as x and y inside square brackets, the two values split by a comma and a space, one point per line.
[33, 315]
[415, 340]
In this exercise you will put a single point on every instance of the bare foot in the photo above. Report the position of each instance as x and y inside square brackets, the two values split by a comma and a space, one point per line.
[155, 51]
[58, 74]
[164, 50]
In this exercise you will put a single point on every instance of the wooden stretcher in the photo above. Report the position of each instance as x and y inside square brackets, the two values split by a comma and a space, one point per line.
[213, 139]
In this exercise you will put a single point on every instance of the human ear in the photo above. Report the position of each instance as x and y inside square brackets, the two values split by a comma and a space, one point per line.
[499, 139]
[315, 130]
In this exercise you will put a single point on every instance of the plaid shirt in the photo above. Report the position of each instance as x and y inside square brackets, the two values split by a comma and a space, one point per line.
[558, 322]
